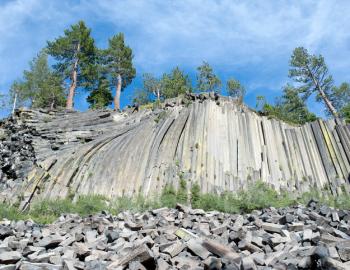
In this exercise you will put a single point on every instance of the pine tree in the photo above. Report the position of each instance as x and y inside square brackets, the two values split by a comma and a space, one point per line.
[175, 83]
[75, 53]
[101, 97]
[118, 60]
[235, 89]
[290, 108]
[207, 81]
[40, 86]
[152, 86]
[311, 72]
[340, 98]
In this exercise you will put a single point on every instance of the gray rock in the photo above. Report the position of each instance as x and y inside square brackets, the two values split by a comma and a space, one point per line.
[9, 257]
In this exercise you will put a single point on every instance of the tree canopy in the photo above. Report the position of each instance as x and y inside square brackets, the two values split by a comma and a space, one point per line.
[175, 83]
[75, 55]
[207, 81]
[40, 86]
[311, 74]
[290, 108]
[119, 66]
[235, 89]
[101, 96]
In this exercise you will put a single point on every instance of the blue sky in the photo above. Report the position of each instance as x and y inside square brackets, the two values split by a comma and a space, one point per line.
[249, 40]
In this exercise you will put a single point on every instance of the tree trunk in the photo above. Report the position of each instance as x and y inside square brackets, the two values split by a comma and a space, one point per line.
[52, 105]
[158, 94]
[328, 102]
[118, 89]
[14, 104]
[73, 85]
[324, 96]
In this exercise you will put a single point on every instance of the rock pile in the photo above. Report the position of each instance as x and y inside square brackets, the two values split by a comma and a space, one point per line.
[313, 237]
[16, 152]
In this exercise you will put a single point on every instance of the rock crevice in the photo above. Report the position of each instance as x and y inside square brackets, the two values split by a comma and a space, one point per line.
[207, 140]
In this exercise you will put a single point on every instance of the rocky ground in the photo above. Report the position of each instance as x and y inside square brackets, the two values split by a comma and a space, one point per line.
[313, 237]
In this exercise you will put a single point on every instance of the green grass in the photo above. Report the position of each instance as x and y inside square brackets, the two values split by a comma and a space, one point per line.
[256, 196]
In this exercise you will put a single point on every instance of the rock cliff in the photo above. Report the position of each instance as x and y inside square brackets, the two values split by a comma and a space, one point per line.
[206, 139]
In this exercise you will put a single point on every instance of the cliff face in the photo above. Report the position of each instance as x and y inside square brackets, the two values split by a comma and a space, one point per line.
[216, 143]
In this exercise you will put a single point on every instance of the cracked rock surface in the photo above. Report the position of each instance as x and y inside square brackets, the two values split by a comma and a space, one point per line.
[204, 139]
[313, 237]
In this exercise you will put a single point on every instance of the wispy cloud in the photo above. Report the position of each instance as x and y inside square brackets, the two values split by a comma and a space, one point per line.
[252, 40]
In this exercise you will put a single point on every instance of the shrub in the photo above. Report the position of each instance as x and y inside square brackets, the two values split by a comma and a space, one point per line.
[195, 195]
[181, 195]
[90, 204]
[168, 196]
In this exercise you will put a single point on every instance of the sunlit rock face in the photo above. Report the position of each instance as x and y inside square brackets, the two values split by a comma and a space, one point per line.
[209, 140]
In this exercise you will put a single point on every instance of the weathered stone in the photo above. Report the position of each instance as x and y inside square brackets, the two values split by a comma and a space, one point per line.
[141, 254]
[51, 241]
[238, 223]
[175, 248]
[248, 264]
[344, 250]
[270, 227]
[212, 263]
[197, 248]
[221, 250]
[8, 257]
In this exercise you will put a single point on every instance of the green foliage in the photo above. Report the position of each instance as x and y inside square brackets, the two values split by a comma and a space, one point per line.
[207, 81]
[88, 204]
[46, 211]
[182, 191]
[175, 83]
[168, 196]
[290, 108]
[152, 86]
[40, 86]
[141, 97]
[117, 59]
[100, 97]
[260, 103]
[256, 196]
[169, 86]
[235, 89]
[345, 112]
[260, 196]
[11, 212]
[310, 72]
[340, 96]
[76, 45]
[195, 195]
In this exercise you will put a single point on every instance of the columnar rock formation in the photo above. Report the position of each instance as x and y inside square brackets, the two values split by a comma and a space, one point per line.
[209, 140]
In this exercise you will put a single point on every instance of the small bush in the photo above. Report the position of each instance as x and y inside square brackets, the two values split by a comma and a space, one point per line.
[10, 212]
[90, 204]
[46, 211]
[195, 195]
[168, 196]
[256, 196]
[182, 191]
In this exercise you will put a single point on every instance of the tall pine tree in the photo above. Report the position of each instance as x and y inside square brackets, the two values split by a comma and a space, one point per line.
[311, 73]
[75, 54]
[118, 60]
[40, 86]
